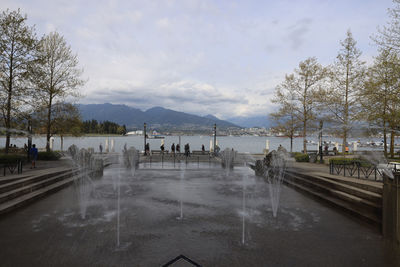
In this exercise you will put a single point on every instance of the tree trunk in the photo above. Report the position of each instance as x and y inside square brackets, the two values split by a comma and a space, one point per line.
[304, 137]
[346, 110]
[62, 142]
[8, 118]
[392, 133]
[291, 143]
[10, 89]
[344, 145]
[48, 126]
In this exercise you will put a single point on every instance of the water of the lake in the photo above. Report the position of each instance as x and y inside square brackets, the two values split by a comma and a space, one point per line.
[250, 144]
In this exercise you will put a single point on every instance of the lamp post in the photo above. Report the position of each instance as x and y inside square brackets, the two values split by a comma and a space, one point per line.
[321, 160]
[215, 137]
[144, 132]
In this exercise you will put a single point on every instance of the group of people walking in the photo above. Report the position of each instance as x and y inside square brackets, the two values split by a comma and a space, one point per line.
[175, 149]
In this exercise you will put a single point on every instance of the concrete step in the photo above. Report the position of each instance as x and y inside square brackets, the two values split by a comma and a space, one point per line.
[6, 196]
[16, 183]
[360, 204]
[12, 178]
[370, 217]
[358, 192]
[30, 197]
[375, 187]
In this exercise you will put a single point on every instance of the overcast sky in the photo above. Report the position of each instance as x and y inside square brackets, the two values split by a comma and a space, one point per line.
[198, 56]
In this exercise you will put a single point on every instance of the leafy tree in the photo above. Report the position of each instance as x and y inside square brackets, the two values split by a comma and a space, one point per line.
[298, 95]
[346, 81]
[55, 77]
[381, 94]
[286, 118]
[66, 120]
[17, 46]
[388, 36]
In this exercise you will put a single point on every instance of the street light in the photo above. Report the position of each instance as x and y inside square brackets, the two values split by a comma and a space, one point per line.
[215, 137]
[144, 126]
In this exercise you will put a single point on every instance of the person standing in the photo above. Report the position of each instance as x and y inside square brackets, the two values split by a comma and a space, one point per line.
[178, 148]
[162, 148]
[34, 154]
[101, 148]
[173, 148]
[203, 149]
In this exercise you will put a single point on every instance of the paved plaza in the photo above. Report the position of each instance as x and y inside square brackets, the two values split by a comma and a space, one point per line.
[213, 216]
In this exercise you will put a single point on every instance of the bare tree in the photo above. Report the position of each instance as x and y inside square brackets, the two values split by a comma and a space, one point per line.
[299, 92]
[56, 76]
[346, 80]
[17, 46]
[388, 36]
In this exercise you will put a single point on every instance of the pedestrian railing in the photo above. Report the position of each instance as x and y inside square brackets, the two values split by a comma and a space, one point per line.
[12, 166]
[357, 169]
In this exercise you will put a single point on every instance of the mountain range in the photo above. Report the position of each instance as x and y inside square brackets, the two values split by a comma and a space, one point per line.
[156, 117]
[252, 121]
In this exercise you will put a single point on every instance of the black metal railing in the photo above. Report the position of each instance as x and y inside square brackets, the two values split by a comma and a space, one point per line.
[11, 167]
[357, 169]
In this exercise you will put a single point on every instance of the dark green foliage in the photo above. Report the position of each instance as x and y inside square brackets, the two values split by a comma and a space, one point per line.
[105, 127]
[52, 155]
[350, 161]
[11, 158]
[300, 157]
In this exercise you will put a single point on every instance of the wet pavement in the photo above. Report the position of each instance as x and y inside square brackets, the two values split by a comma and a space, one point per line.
[213, 217]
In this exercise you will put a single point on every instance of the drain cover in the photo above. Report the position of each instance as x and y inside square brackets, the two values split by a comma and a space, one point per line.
[181, 260]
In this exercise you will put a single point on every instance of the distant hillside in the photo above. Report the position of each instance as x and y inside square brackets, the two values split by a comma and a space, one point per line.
[255, 121]
[156, 117]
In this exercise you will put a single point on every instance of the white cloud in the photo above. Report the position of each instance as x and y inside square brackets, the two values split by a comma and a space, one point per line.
[200, 56]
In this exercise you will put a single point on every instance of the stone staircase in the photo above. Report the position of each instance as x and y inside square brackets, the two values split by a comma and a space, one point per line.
[23, 189]
[357, 197]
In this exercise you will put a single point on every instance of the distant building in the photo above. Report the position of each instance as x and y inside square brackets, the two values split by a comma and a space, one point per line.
[138, 132]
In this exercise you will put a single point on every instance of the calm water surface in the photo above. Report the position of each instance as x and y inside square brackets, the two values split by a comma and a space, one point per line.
[251, 144]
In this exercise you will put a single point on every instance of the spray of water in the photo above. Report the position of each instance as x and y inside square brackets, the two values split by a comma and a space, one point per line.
[83, 160]
[243, 207]
[118, 206]
[377, 158]
[274, 175]
[181, 193]
[227, 160]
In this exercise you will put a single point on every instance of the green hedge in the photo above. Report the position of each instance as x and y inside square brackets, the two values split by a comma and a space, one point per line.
[350, 161]
[52, 155]
[300, 157]
[11, 158]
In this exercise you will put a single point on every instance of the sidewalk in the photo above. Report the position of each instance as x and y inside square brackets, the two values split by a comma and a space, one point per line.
[322, 170]
[42, 167]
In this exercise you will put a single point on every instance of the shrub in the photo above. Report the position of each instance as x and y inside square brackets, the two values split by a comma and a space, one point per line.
[350, 161]
[11, 158]
[343, 161]
[52, 155]
[300, 157]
